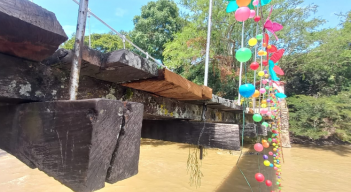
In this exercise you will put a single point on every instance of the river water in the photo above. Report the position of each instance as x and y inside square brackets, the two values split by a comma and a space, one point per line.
[162, 168]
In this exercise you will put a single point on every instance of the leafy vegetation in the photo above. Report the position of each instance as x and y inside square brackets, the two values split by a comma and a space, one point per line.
[321, 117]
[156, 25]
[105, 42]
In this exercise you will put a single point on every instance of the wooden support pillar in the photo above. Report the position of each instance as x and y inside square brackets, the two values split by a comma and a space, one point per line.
[125, 159]
[76, 142]
[215, 135]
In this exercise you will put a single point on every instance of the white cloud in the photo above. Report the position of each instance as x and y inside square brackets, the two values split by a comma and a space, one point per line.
[69, 29]
[120, 12]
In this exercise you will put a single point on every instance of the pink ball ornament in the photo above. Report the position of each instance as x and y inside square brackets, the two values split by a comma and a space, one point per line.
[252, 14]
[264, 81]
[262, 90]
[268, 183]
[255, 3]
[242, 14]
[269, 113]
[258, 147]
[259, 177]
[275, 168]
[264, 111]
[270, 153]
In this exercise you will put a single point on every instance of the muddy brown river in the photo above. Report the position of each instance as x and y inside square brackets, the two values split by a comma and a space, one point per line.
[162, 168]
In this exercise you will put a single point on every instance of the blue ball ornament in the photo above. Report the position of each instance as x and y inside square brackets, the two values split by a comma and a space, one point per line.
[247, 90]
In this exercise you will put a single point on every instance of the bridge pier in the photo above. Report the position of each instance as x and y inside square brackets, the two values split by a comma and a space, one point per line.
[81, 143]
[215, 135]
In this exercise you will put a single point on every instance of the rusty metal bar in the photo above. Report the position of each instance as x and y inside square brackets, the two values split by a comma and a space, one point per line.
[78, 45]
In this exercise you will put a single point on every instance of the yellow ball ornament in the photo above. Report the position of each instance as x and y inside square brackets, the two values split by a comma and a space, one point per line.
[263, 105]
[252, 42]
[266, 163]
[261, 73]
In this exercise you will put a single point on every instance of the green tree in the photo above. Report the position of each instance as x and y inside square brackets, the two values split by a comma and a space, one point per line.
[105, 42]
[322, 117]
[156, 25]
[325, 69]
[188, 48]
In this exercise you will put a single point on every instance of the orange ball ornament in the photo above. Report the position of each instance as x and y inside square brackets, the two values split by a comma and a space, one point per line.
[256, 94]
[265, 145]
[243, 3]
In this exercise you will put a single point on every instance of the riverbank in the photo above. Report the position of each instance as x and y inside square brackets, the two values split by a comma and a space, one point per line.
[304, 140]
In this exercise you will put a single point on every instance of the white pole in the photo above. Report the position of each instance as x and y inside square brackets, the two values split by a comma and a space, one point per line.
[208, 43]
[78, 46]
[241, 64]
[89, 30]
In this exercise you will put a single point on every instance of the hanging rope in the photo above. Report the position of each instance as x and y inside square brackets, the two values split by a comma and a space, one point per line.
[242, 146]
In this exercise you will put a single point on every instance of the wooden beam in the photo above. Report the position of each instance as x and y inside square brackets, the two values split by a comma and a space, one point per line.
[118, 67]
[172, 85]
[125, 159]
[29, 31]
[215, 135]
[23, 81]
[75, 141]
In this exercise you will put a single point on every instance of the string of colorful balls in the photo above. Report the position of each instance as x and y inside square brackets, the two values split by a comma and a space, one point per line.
[269, 93]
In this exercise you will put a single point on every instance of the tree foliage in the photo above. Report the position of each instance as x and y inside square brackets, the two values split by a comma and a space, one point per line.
[105, 42]
[323, 116]
[188, 48]
[156, 25]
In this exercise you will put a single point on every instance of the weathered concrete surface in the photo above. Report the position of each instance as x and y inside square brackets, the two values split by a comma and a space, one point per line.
[22, 81]
[285, 135]
[253, 129]
[117, 67]
[221, 103]
[28, 31]
[79, 143]
[215, 135]
[125, 159]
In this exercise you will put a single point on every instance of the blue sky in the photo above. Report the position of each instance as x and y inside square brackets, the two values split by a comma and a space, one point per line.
[119, 14]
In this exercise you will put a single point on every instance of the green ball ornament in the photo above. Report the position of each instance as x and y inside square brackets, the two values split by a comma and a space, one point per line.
[257, 118]
[259, 37]
[265, 124]
[267, 87]
[243, 54]
[269, 140]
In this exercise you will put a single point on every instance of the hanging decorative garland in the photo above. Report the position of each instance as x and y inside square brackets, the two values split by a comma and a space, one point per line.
[269, 92]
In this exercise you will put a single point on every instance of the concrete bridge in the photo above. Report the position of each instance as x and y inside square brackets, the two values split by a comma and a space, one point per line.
[121, 98]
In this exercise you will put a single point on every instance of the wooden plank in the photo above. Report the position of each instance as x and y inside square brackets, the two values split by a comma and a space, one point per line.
[118, 67]
[24, 81]
[29, 31]
[215, 135]
[206, 92]
[125, 159]
[171, 85]
[72, 141]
